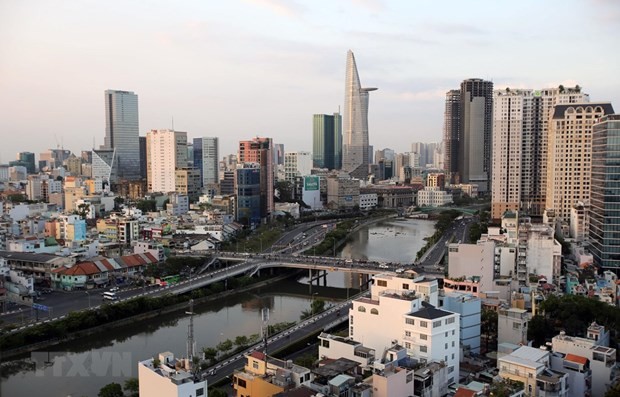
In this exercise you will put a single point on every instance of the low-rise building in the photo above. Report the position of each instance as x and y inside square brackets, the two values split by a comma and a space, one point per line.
[169, 377]
[433, 196]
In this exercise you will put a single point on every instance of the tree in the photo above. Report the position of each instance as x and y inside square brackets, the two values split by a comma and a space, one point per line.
[306, 361]
[225, 346]
[111, 390]
[132, 387]
[285, 189]
[614, 391]
[489, 326]
[317, 306]
[241, 341]
[217, 393]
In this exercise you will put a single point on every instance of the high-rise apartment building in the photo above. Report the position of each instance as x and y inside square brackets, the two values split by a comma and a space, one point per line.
[569, 155]
[451, 133]
[327, 141]
[260, 150]
[121, 131]
[296, 164]
[605, 190]
[166, 151]
[206, 159]
[278, 153]
[249, 193]
[519, 158]
[355, 149]
[474, 159]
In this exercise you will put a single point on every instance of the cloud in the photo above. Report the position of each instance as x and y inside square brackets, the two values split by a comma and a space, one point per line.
[287, 8]
[456, 29]
[374, 6]
[391, 37]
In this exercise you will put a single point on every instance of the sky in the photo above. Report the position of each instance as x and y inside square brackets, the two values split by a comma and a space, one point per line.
[236, 69]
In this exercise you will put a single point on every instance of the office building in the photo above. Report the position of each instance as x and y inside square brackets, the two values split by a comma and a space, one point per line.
[355, 149]
[260, 150]
[166, 151]
[604, 211]
[476, 114]
[206, 160]
[121, 131]
[249, 197]
[278, 153]
[327, 141]
[142, 144]
[569, 156]
[451, 134]
[520, 132]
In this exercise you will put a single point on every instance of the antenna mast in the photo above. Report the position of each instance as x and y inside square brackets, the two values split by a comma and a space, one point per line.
[191, 345]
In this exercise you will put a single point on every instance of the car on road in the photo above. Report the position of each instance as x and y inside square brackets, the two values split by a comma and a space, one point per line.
[114, 289]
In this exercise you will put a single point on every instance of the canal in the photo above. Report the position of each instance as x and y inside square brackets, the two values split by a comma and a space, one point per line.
[82, 367]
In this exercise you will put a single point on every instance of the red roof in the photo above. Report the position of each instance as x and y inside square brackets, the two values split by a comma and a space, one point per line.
[463, 392]
[258, 355]
[576, 359]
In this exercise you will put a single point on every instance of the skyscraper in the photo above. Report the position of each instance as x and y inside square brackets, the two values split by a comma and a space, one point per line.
[121, 131]
[519, 157]
[206, 159]
[604, 210]
[355, 151]
[260, 150]
[327, 141]
[476, 125]
[569, 156]
[452, 134]
[166, 151]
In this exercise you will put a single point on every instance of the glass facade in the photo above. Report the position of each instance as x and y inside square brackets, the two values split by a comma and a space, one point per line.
[248, 195]
[327, 141]
[121, 132]
[605, 193]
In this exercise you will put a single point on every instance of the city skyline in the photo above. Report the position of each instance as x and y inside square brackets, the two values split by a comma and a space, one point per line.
[65, 51]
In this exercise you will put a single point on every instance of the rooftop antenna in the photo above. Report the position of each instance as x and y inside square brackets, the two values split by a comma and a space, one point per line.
[265, 328]
[191, 345]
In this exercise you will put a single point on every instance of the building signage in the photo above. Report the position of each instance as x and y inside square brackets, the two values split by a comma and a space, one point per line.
[311, 183]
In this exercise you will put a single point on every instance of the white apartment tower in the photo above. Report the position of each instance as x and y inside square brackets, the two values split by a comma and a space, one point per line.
[297, 164]
[166, 150]
[519, 153]
[569, 155]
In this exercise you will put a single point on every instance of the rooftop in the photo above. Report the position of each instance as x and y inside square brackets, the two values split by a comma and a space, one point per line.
[430, 313]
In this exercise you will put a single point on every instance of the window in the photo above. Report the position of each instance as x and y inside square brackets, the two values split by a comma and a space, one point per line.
[407, 333]
[200, 392]
[325, 343]
[350, 319]
[255, 364]
[516, 325]
[405, 286]
[374, 311]
[423, 349]
[381, 283]
[423, 336]
[449, 320]
[410, 321]
[241, 383]
[423, 324]
[446, 347]
[436, 324]
[361, 309]
[407, 345]
[452, 345]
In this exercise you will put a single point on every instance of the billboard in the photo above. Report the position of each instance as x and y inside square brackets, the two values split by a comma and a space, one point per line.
[311, 183]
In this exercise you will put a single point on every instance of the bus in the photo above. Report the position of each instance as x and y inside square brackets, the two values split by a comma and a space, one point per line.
[110, 296]
[169, 280]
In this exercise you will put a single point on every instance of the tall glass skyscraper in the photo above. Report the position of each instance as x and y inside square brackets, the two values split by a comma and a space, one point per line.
[355, 148]
[327, 141]
[206, 159]
[121, 132]
[605, 193]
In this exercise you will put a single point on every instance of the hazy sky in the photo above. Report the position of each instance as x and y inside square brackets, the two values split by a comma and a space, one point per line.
[241, 68]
